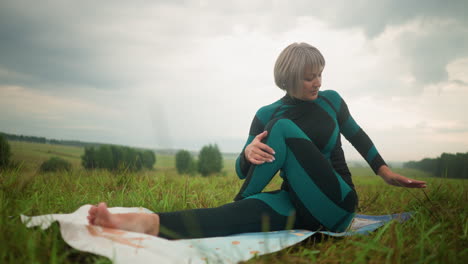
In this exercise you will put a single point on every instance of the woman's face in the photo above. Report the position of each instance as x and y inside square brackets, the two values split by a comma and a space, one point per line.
[311, 84]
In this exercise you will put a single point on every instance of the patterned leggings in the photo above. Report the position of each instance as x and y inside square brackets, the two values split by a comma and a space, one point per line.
[318, 197]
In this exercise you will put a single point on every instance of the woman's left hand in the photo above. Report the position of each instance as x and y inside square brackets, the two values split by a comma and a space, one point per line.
[396, 179]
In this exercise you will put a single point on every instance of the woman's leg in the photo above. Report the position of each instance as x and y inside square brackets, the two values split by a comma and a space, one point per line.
[321, 197]
[249, 215]
[135, 222]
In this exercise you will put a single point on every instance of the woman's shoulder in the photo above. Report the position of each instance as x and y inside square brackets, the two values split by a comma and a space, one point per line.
[333, 96]
[272, 106]
[330, 94]
[266, 111]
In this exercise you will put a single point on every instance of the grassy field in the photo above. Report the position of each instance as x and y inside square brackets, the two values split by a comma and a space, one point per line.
[438, 232]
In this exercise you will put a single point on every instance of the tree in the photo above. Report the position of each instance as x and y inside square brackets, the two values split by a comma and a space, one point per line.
[105, 157]
[114, 158]
[184, 161]
[55, 164]
[148, 159]
[5, 152]
[89, 158]
[447, 165]
[117, 158]
[132, 159]
[210, 160]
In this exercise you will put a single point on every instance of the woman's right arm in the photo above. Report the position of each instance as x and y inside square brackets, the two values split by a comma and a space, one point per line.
[258, 152]
[255, 152]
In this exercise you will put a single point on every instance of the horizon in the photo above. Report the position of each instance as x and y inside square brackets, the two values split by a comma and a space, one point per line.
[359, 162]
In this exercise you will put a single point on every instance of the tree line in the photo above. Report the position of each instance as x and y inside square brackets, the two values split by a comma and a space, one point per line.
[210, 159]
[114, 158]
[447, 165]
[45, 140]
[118, 158]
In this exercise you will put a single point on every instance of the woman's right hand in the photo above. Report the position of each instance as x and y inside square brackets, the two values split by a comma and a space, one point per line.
[257, 152]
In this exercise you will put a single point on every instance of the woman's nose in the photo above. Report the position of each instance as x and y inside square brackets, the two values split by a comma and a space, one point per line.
[318, 81]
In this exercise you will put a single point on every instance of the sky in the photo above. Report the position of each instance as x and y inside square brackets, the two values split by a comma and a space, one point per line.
[183, 74]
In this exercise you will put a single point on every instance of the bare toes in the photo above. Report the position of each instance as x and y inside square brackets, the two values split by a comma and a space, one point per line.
[102, 211]
[103, 217]
[92, 210]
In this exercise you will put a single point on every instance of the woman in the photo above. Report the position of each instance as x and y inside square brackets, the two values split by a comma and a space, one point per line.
[298, 135]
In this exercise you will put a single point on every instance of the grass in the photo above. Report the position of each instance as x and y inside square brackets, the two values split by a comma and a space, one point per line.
[437, 233]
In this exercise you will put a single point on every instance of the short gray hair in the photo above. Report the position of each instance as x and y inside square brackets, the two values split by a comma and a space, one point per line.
[291, 64]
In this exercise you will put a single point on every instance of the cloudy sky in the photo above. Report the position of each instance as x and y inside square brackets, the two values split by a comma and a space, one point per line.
[181, 74]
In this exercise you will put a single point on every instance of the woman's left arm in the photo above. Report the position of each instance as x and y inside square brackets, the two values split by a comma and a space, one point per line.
[363, 144]
[396, 179]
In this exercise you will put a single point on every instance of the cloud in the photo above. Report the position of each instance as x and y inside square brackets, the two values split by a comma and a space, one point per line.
[458, 71]
[46, 106]
[437, 35]
[432, 47]
[375, 16]
[94, 44]
[45, 45]
[107, 45]
[415, 126]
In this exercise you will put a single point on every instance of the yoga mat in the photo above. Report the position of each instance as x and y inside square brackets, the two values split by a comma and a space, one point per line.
[128, 247]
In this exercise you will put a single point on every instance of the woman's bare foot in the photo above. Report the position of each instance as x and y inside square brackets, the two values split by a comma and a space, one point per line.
[135, 222]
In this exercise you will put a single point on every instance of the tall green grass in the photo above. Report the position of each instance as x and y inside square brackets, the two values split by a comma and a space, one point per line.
[437, 232]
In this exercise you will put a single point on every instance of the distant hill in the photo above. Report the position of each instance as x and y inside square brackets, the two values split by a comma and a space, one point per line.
[77, 143]
[363, 163]
[45, 140]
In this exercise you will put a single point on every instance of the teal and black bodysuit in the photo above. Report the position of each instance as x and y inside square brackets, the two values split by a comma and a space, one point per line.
[317, 190]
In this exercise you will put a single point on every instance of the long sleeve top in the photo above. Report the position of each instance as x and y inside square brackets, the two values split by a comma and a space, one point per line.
[322, 120]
